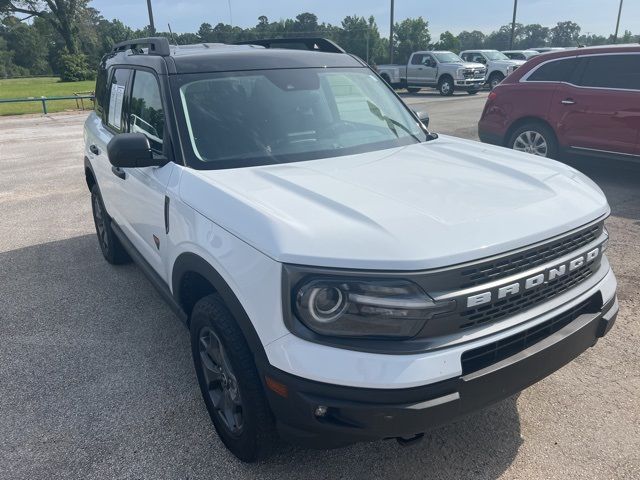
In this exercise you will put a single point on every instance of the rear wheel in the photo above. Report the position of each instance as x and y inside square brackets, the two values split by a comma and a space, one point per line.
[445, 86]
[229, 381]
[112, 249]
[536, 139]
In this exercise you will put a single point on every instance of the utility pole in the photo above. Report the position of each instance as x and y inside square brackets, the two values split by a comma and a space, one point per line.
[615, 36]
[391, 35]
[152, 27]
[513, 23]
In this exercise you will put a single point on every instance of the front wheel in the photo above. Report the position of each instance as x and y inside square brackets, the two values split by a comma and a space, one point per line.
[495, 79]
[446, 87]
[536, 139]
[229, 381]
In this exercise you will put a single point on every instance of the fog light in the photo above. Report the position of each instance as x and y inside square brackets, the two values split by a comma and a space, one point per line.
[321, 411]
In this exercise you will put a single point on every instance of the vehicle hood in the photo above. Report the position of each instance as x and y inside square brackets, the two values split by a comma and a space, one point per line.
[463, 64]
[507, 63]
[423, 206]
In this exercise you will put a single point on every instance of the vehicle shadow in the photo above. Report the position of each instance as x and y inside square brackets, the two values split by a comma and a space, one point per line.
[619, 180]
[480, 446]
[429, 93]
[97, 378]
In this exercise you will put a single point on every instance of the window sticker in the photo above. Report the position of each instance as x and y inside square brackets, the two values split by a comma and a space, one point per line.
[115, 106]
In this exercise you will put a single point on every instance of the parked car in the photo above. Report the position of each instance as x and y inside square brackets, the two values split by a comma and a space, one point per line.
[498, 64]
[580, 101]
[345, 274]
[520, 54]
[443, 70]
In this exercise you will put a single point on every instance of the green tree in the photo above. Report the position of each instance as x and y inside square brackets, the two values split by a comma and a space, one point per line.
[533, 35]
[410, 35]
[471, 40]
[61, 14]
[448, 41]
[565, 34]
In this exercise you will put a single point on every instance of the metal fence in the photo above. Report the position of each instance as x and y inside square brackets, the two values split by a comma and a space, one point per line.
[78, 97]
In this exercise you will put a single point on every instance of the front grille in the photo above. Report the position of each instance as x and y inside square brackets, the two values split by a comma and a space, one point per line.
[527, 299]
[481, 357]
[528, 259]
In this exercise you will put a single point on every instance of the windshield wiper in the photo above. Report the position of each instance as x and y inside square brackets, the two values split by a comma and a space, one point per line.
[391, 123]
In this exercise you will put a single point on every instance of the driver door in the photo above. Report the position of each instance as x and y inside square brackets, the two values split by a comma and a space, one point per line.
[142, 200]
[430, 70]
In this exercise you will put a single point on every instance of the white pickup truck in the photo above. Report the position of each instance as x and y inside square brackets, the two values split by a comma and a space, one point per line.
[442, 70]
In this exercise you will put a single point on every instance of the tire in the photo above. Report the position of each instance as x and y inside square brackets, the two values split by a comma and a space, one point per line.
[229, 381]
[413, 89]
[110, 245]
[530, 138]
[446, 86]
[494, 79]
[472, 92]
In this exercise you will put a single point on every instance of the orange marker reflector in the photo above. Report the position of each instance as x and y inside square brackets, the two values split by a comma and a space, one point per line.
[277, 387]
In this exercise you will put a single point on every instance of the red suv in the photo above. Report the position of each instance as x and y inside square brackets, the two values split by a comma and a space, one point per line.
[580, 101]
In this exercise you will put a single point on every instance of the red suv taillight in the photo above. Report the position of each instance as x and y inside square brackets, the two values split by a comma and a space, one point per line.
[492, 96]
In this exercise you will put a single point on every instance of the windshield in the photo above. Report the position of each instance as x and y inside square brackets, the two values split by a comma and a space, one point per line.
[495, 55]
[239, 119]
[448, 57]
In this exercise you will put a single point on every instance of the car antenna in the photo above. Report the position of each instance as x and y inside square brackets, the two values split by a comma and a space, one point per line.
[173, 37]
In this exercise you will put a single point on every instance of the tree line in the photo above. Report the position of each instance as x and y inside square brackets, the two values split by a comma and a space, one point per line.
[68, 38]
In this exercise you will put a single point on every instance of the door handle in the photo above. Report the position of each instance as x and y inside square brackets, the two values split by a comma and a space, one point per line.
[118, 172]
[568, 101]
[95, 150]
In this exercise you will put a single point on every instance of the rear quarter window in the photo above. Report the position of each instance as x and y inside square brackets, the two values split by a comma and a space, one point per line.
[612, 71]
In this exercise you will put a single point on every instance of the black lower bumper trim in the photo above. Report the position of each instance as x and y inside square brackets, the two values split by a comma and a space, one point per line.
[359, 414]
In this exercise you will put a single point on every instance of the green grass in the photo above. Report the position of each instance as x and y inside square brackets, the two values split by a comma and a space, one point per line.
[38, 87]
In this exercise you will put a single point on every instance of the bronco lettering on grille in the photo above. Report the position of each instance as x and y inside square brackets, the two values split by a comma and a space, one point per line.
[534, 281]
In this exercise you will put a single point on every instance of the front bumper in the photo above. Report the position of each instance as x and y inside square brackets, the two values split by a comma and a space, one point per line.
[470, 83]
[362, 414]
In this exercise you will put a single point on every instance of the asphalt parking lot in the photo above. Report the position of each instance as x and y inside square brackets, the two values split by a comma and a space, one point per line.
[96, 379]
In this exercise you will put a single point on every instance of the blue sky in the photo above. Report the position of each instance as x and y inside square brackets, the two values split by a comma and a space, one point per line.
[595, 16]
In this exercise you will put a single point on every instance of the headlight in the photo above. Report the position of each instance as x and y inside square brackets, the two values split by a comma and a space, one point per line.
[365, 308]
[460, 73]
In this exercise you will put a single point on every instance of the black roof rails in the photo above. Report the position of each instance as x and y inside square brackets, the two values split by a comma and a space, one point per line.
[315, 44]
[157, 45]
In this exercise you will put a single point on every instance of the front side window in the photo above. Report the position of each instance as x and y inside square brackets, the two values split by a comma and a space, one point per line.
[417, 59]
[612, 71]
[554, 71]
[146, 114]
[279, 116]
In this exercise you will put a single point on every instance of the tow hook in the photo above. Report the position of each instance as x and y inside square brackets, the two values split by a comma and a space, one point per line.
[405, 442]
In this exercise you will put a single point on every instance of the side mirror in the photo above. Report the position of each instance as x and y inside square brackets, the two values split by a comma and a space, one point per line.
[423, 116]
[132, 150]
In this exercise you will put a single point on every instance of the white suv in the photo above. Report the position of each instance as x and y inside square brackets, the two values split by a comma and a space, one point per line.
[345, 274]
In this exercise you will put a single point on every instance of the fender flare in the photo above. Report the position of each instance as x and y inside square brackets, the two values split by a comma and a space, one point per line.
[190, 262]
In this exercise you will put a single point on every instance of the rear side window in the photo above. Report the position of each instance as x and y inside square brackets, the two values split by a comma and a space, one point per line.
[101, 89]
[555, 71]
[146, 114]
[116, 97]
[612, 71]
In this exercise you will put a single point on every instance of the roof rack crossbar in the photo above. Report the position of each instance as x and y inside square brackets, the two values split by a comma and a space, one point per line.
[157, 45]
[316, 44]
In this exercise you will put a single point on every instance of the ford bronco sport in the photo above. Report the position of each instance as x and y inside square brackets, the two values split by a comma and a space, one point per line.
[345, 274]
